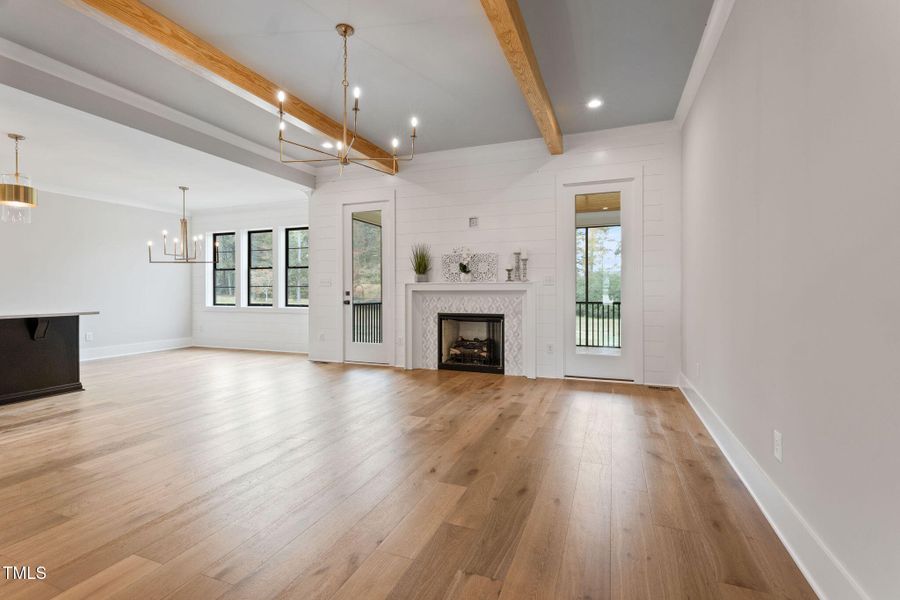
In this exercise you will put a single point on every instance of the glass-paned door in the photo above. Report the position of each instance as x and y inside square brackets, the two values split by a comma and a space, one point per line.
[603, 305]
[367, 229]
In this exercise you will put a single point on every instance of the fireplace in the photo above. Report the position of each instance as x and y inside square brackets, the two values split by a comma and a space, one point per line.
[470, 342]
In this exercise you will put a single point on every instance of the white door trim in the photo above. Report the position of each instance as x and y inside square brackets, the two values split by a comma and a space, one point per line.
[389, 270]
[566, 183]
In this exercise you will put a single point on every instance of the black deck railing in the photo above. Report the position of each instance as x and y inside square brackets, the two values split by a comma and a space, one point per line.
[598, 324]
[367, 322]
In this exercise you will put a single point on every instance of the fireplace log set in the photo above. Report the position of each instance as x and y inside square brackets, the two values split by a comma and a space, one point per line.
[477, 352]
[470, 342]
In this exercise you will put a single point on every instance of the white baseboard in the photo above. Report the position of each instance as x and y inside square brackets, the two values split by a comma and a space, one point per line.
[224, 347]
[138, 348]
[825, 573]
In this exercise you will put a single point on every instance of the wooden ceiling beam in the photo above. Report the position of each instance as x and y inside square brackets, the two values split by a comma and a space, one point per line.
[155, 31]
[509, 26]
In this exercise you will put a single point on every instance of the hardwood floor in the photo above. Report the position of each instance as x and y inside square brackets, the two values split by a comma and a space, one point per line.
[199, 474]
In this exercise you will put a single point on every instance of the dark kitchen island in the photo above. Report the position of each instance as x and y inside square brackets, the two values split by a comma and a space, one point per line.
[39, 355]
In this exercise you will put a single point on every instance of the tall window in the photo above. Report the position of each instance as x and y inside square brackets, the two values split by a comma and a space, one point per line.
[297, 267]
[260, 275]
[223, 269]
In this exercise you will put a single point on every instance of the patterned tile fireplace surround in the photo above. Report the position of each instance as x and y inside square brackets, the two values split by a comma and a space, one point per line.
[515, 301]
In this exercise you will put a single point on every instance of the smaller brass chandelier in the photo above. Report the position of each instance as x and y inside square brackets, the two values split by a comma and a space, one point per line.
[344, 146]
[184, 251]
[17, 196]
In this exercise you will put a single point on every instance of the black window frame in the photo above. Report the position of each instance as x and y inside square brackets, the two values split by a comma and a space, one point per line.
[251, 268]
[288, 267]
[216, 267]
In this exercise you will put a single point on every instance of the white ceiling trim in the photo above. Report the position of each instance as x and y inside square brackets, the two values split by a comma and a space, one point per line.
[715, 26]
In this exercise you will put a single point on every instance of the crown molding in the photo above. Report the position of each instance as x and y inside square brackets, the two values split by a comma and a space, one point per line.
[715, 26]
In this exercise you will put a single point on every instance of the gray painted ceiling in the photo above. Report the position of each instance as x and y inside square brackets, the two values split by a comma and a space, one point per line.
[437, 59]
[634, 54]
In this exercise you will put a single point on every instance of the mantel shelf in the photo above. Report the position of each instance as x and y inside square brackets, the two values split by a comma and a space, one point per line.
[475, 286]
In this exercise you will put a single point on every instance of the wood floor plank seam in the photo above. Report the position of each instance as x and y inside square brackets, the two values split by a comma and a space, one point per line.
[285, 478]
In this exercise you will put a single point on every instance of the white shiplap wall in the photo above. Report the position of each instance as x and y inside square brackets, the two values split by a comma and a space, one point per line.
[511, 188]
[256, 328]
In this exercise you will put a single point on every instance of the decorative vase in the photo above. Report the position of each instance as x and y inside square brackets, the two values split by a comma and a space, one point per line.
[421, 277]
[465, 277]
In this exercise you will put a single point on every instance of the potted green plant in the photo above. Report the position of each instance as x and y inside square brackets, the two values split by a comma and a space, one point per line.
[465, 273]
[421, 261]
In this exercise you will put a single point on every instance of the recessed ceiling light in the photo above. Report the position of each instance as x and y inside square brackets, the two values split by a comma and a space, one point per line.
[327, 145]
[595, 103]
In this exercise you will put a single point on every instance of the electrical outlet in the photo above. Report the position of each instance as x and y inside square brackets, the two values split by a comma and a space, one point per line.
[89, 336]
[549, 348]
[777, 445]
[473, 222]
[548, 279]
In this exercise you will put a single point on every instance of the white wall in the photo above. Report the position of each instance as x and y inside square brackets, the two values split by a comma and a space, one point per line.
[512, 189]
[80, 254]
[791, 290]
[256, 327]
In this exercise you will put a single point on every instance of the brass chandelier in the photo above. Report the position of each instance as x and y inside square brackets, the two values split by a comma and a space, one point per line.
[183, 252]
[344, 146]
[17, 196]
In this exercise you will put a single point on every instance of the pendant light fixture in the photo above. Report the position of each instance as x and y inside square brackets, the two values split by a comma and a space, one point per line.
[17, 196]
[184, 252]
[341, 156]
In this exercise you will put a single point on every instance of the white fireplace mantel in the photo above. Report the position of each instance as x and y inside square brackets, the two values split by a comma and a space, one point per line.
[453, 293]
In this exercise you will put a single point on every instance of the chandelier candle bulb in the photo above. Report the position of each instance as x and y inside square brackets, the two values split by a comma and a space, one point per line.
[342, 155]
